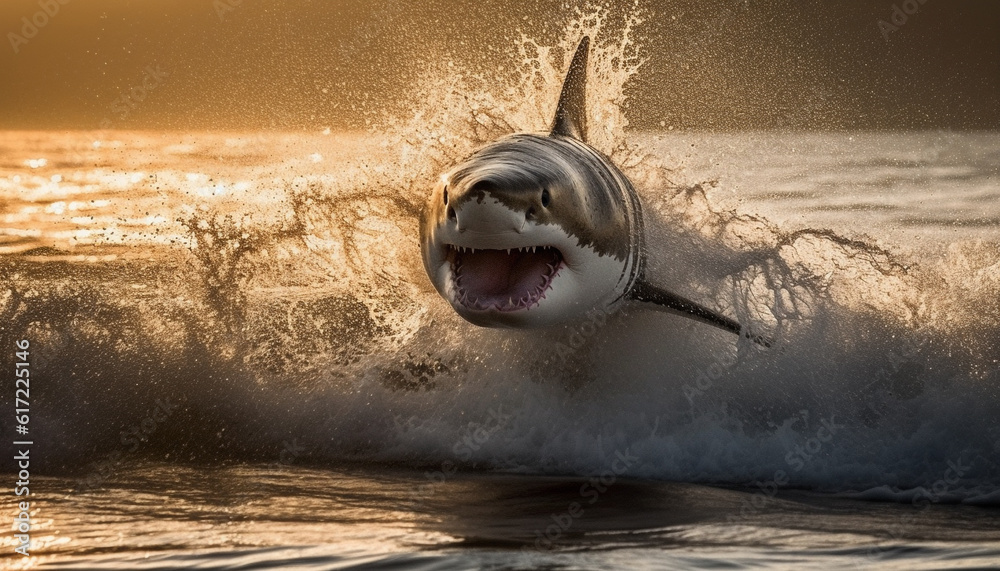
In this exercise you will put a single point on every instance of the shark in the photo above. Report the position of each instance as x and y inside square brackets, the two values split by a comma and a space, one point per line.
[537, 230]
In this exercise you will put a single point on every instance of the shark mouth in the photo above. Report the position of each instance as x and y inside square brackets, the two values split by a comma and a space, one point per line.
[514, 279]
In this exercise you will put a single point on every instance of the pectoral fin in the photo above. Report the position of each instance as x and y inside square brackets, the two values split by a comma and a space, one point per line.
[673, 303]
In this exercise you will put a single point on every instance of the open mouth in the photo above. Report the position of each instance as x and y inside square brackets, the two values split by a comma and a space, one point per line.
[505, 280]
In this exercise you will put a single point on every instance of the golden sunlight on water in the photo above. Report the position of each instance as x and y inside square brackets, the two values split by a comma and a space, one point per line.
[79, 191]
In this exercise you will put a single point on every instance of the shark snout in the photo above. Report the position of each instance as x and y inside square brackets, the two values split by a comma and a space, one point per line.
[487, 216]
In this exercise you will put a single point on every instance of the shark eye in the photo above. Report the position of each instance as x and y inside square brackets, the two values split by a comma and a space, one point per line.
[446, 194]
[546, 199]
[451, 214]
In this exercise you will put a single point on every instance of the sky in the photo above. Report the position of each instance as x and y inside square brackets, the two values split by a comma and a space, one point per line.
[310, 64]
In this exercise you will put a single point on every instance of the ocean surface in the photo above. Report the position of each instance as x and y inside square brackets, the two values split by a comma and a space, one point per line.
[237, 361]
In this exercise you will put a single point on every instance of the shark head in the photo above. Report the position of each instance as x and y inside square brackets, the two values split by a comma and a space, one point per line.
[535, 230]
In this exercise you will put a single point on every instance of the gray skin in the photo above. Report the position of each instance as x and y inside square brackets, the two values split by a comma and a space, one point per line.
[559, 182]
[599, 218]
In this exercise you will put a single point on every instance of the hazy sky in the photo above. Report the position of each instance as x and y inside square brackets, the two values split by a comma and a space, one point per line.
[235, 64]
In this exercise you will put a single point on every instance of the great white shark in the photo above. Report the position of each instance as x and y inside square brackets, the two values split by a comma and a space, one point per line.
[536, 230]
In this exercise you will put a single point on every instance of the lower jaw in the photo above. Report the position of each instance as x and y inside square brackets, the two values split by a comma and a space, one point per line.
[497, 304]
[492, 318]
[493, 310]
[505, 308]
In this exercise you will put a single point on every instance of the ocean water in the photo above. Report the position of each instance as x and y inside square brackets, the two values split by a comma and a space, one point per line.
[321, 407]
[237, 360]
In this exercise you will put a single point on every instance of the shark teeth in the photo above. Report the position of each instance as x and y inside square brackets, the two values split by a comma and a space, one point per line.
[520, 249]
[528, 295]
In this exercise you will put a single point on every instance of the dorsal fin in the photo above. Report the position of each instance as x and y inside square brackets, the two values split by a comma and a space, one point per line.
[571, 114]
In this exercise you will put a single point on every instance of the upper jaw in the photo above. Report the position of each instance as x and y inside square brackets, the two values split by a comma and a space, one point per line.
[449, 248]
[530, 235]
[488, 241]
